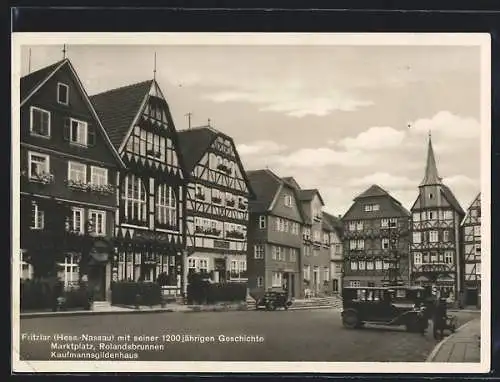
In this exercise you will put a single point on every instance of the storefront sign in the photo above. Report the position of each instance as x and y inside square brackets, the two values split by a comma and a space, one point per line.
[152, 236]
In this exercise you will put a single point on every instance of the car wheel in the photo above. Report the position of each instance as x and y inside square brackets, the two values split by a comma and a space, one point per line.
[350, 319]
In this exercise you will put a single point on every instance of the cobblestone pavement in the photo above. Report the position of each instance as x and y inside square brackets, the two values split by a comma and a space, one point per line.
[303, 335]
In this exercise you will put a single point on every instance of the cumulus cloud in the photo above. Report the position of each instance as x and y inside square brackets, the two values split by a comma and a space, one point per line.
[384, 180]
[448, 125]
[260, 147]
[374, 138]
[293, 101]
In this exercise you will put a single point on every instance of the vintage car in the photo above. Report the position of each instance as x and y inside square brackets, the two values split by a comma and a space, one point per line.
[271, 300]
[393, 306]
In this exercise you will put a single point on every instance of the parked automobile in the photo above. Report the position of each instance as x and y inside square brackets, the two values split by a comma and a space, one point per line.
[393, 306]
[273, 300]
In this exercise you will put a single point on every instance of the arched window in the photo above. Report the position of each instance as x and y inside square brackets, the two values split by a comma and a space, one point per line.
[166, 206]
[134, 199]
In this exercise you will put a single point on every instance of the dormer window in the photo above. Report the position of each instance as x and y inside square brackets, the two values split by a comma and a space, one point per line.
[62, 93]
[371, 207]
[288, 200]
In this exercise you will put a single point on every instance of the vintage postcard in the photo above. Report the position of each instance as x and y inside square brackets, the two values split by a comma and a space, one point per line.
[251, 202]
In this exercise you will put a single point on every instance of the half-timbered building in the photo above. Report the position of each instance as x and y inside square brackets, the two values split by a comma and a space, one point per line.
[68, 172]
[471, 229]
[436, 239]
[150, 221]
[274, 235]
[216, 205]
[376, 240]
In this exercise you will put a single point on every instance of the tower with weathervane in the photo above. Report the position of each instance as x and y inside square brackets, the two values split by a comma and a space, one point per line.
[436, 240]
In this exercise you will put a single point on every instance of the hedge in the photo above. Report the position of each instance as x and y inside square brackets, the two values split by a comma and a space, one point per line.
[43, 294]
[135, 293]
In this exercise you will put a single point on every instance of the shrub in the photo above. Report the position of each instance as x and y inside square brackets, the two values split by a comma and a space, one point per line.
[203, 292]
[132, 293]
[42, 294]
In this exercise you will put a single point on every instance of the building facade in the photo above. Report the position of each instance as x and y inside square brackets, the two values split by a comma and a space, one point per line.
[436, 235]
[68, 175]
[274, 235]
[471, 228]
[315, 259]
[336, 250]
[376, 230]
[149, 229]
[217, 205]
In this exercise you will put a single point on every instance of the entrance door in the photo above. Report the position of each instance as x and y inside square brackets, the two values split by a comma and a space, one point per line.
[471, 297]
[291, 288]
[220, 270]
[316, 279]
[97, 281]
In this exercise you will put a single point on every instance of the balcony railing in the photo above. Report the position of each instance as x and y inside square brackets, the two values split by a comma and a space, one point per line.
[208, 231]
[235, 235]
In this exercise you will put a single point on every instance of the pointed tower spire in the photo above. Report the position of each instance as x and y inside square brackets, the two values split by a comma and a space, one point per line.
[431, 173]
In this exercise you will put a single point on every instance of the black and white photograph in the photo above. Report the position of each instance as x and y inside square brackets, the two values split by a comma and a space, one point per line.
[251, 202]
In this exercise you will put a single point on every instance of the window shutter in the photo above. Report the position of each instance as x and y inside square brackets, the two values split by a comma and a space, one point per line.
[90, 135]
[66, 129]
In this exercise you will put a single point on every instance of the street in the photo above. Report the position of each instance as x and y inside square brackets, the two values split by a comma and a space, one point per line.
[303, 335]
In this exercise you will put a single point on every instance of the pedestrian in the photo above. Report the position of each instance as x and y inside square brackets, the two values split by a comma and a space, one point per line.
[439, 317]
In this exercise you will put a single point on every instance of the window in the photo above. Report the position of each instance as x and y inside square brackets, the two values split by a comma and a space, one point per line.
[378, 264]
[293, 254]
[371, 207]
[433, 257]
[275, 252]
[448, 257]
[431, 196]
[134, 198]
[39, 122]
[384, 223]
[335, 286]
[478, 249]
[354, 266]
[259, 251]
[98, 176]
[431, 215]
[316, 236]
[280, 253]
[393, 222]
[369, 265]
[77, 172]
[260, 282]
[385, 243]
[26, 269]
[417, 237]
[287, 226]
[359, 226]
[307, 272]
[446, 235]
[386, 265]
[98, 220]
[417, 258]
[326, 274]
[362, 265]
[354, 283]
[37, 217]
[166, 206]
[69, 270]
[416, 216]
[78, 132]
[352, 226]
[39, 165]
[277, 279]
[203, 265]
[352, 244]
[433, 236]
[76, 222]
[448, 215]
[262, 221]
[307, 251]
[478, 268]
[62, 94]
[288, 200]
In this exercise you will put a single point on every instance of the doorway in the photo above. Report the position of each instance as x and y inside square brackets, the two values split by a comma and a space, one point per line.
[97, 281]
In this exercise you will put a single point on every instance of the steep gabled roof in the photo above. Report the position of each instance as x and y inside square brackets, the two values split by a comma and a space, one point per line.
[451, 199]
[334, 222]
[194, 143]
[308, 195]
[31, 83]
[478, 197]
[375, 191]
[266, 185]
[118, 108]
[290, 180]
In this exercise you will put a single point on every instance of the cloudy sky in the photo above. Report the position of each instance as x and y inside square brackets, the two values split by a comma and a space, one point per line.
[334, 117]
